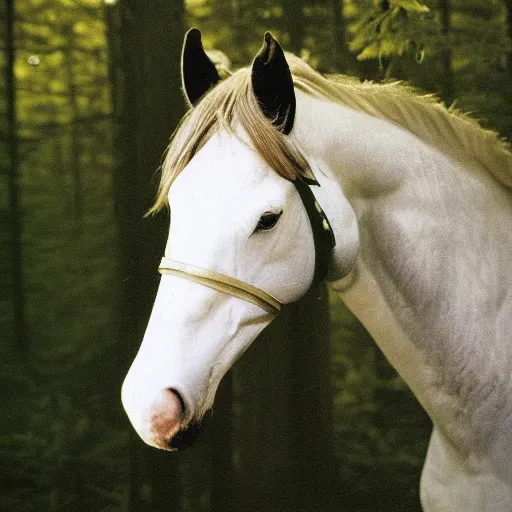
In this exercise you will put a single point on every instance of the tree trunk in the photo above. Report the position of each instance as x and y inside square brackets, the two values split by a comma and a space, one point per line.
[340, 47]
[285, 429]
[312, 403]
[78, 193]
[265, 434]
[18, 293]
[448, 88]
[508, 5]
[223, 483]
[148, 105]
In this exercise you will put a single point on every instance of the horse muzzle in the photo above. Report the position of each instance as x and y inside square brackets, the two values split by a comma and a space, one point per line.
[166, 427]
[167, 420]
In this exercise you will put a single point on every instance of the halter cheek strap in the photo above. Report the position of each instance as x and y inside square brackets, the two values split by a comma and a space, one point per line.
[323, 235]
[324, 241]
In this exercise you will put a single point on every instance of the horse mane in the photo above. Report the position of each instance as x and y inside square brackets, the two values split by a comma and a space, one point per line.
[231, 104]
[449, 130]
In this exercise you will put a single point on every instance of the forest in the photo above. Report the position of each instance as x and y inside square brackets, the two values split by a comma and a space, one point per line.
[312, 418]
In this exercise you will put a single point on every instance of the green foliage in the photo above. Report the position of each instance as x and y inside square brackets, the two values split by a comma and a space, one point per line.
[409, 5]
[63, 448]
[479, 44]
[64, 459]
[392, 30]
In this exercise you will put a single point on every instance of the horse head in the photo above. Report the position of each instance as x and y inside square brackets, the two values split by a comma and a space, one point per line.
[246, 235]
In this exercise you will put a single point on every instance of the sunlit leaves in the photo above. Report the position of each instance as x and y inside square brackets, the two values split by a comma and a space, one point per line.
[392, 28]
[410, 5]
[69, 42]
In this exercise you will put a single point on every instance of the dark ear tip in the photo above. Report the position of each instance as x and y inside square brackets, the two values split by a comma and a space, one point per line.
[267, 50]
[193, 35]
[194, 32]
[269, 41]
[272, 84]
[197, 70]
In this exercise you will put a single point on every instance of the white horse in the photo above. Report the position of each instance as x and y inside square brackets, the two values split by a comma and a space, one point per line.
[420, 204]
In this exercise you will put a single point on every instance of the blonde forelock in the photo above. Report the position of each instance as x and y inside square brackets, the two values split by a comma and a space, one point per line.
[226, 107]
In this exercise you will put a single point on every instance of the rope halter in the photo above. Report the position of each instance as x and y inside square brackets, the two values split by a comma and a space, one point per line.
[324, 242]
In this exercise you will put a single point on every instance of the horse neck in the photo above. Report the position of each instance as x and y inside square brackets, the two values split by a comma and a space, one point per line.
[432, 280]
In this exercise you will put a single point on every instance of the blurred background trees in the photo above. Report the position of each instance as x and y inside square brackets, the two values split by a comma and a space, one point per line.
[312, 417]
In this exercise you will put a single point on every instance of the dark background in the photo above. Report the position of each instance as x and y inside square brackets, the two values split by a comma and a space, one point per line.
[312, 418]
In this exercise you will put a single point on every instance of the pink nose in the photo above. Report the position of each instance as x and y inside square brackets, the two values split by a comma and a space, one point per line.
[165, 417]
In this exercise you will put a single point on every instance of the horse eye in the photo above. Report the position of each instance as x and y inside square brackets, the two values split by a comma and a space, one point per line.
[268, 220]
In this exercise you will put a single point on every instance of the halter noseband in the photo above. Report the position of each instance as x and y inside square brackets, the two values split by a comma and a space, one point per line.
[222, 283]
[324, 241]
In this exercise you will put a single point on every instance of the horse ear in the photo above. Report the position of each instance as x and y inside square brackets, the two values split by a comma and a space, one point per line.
[272, 84]
[198, 73]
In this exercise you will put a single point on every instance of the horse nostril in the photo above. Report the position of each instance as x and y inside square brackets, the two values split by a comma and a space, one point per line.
[165, 415]
[184, 438]
[182, 403]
